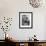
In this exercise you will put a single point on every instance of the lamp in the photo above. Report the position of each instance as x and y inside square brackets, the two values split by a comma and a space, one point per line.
[36, 3]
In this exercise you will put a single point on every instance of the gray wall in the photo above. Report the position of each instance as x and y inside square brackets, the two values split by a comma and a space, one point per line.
[11, 8]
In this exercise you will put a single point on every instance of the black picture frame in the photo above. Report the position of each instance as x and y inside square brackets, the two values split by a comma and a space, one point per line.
[25, 20]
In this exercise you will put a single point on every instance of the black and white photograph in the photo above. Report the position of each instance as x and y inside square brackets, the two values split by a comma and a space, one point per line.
[25, 20]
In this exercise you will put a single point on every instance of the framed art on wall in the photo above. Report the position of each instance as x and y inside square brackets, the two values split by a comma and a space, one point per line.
[25, 20]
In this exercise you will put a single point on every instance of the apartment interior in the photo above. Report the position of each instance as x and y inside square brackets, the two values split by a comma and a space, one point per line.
[15, 31]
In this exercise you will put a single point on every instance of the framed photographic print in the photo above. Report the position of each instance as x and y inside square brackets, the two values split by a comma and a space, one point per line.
[25, 20]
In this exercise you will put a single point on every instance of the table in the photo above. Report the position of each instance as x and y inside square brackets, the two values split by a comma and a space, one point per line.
[30, 43]
[27, 43]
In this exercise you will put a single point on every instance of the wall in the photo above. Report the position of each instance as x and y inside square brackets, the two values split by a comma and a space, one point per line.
[11, 8]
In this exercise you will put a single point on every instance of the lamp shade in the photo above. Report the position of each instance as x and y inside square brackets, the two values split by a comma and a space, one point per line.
[36, 3]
